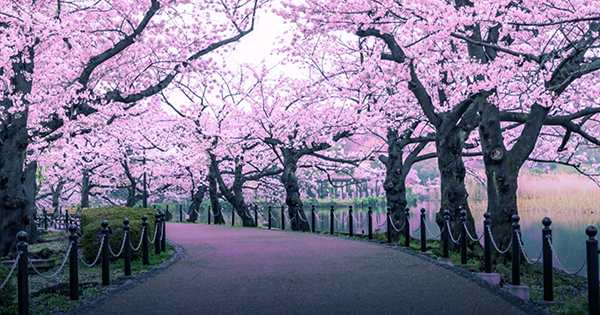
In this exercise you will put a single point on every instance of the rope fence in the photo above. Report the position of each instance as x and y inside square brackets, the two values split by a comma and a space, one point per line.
[104, 255]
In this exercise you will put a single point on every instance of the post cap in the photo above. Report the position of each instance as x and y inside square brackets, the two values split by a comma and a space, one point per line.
[423, 210]
[350, 208]
[22, 236]
[515, 218]
[126, 221]
[144, 219]
[591, 231]
[446, 212]
[487, 215]
[104, 224]
[546, 222]
[463, 213]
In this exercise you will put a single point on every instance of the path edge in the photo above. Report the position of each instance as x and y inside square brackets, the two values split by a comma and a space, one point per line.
[114, 289]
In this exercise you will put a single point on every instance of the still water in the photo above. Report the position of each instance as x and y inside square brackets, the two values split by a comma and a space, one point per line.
[568, 228]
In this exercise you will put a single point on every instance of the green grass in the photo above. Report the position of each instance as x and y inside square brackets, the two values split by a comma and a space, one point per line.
[56, 299]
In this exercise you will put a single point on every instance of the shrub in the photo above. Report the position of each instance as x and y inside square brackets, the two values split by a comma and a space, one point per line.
[7, 294]
[92, 218]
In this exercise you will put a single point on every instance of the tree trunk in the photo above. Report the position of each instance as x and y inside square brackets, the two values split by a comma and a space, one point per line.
[235, 194]
[85, 189]
[17, 181]
[449, 147]
[395, 181]
[56, 192]
[502, 166]
[17, 185]
[292, 193]
[131, 196]
[197, 198]
[213, 194]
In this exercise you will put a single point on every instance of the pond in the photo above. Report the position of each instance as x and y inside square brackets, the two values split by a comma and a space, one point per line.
[568, 228]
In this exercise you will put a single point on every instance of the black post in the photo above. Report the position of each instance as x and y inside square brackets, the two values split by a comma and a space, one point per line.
[350, 222]
[516, 254]
[73, 263]
[145, 256]
[463, 237]
[423, 230]
[208, 213]
[158, 228]
[592, 270]
[312, 219]
[105, 258]
[256, 215]
[180, 213]
[370, 223]
[67, 219]
[45, 219]
[22, 271]
[487, 243]
[388, 230]
[145, 184]
[406, 227]
[282, 218]
[547, 260]
[269, 217]
[331, 223]
[232, 217]
[127, 249]
[163, 235]
[446, 234]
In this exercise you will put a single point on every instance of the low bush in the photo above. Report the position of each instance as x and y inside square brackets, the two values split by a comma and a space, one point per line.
[92, 218]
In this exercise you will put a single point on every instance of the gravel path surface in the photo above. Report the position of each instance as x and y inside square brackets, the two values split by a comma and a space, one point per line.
[253, 271]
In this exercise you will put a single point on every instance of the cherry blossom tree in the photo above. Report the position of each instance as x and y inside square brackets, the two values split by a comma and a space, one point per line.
[64, 60]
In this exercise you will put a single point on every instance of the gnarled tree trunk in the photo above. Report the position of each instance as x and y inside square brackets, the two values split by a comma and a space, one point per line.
[502, 166]
[213, 194]
[197, 198]
[449, 145]
[292, 192]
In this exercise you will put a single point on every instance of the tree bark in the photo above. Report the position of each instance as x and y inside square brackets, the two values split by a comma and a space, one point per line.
[17, 180]
[292, 192]
[213, 194]
[235, 194]
[449, 144]
[502, 166]
[85, 189]
[197, 198]
[395, 180]
[56, 192]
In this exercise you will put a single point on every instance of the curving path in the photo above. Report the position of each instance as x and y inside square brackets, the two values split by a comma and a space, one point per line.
[254, 271]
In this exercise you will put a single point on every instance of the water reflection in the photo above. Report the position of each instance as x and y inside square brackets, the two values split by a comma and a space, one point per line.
[568, 227]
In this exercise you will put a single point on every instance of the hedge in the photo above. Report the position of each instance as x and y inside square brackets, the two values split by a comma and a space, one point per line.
[91, 218]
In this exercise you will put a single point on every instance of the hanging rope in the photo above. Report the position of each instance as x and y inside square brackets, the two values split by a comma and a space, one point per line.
[136, 248]
[502, 252]
[120, 250]
[394, 226]
[455, 241]
[54, 276]
[560, 265]
[97, 255]
[155, 232]
[474, 239]
[10, 273]
[521, 246]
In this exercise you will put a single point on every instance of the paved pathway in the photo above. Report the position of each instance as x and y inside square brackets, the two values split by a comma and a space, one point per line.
[254, 271]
